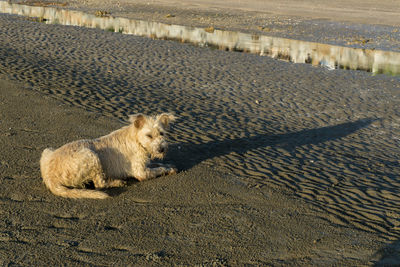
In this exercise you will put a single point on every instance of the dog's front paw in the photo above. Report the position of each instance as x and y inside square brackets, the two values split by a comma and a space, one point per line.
[117, 183]
[169, 169]
[172, 170]
[122, 183]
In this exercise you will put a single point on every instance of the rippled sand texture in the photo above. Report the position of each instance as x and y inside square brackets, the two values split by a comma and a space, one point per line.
[331, 56]
[330, 137]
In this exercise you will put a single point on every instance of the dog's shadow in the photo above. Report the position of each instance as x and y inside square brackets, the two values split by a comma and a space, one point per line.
[187, 155]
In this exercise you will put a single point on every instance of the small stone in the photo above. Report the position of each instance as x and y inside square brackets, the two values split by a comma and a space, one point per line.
[210, 29]
[102, 13]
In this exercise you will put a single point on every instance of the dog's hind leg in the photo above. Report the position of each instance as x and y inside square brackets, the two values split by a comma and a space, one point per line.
[86, 166]
[99, 178]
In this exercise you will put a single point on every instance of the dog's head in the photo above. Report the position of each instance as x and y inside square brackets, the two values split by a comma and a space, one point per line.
[151, 132]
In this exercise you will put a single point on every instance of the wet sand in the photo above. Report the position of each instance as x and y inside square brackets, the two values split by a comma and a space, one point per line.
[372, 24]
[280, 163]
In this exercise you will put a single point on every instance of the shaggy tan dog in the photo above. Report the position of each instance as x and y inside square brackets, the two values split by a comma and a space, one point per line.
[108, 160]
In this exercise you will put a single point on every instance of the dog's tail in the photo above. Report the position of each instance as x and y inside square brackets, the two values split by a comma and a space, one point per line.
[61, 190]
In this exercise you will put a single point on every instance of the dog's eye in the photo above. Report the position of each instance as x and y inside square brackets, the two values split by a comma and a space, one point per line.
[149, 136]
[162, 133]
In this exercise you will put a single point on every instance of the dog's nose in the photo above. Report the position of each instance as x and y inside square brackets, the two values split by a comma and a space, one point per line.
[161, 150]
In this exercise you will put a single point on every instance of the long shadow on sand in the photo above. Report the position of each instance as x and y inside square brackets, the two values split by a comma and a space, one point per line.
[389, 255]
[185, 156]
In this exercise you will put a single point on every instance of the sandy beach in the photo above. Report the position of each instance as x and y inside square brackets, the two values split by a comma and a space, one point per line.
[280, 164]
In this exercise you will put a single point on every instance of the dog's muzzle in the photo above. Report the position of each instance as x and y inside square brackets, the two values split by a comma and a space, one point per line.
[160, 151]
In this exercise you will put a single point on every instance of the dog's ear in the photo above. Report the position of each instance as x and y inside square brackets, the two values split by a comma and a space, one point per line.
[138, 120]
[166, 119]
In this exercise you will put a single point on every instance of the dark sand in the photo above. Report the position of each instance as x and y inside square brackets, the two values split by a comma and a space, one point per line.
[281, 164]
